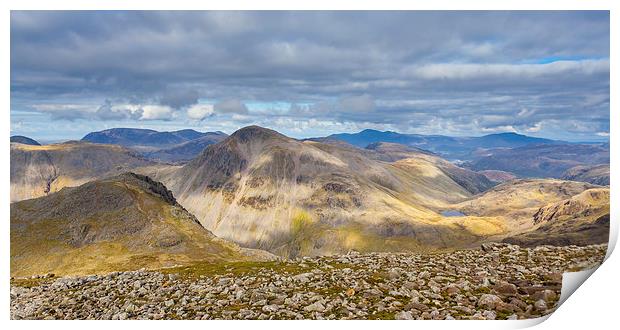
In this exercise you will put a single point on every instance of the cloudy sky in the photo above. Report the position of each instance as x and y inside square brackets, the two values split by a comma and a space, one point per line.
[311, 73]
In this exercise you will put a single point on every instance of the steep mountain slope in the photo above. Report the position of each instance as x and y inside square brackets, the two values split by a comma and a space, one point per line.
[264, 190]
[580, 220]
[144, 138]
[541, 160]
[24, 140]
[596, 174]
[185, 151]
[473, 182]
[39, 170]
[120, 223]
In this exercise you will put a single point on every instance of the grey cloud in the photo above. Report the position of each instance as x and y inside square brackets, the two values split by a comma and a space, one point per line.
[179, 98]
[68, 112]
[104, 112]
[231, 106]
[362, 103]
[411, 70]
[69, 115]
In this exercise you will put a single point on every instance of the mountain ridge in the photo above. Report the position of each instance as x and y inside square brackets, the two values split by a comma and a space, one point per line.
[24, 140]
[132, 137]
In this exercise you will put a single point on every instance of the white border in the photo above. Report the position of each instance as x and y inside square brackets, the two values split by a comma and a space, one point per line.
[593, 306]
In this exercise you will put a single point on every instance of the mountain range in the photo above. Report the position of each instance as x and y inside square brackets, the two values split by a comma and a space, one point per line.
[516, 154]
[264, 190]
[452, 148]
[137, 137]
[261, 190]
[541, 160]
[171, 147]
[512, 154]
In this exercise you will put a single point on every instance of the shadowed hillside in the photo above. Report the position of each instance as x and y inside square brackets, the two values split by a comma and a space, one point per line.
[596, 174]
[24, 140]
[121, 223]
[185, 151]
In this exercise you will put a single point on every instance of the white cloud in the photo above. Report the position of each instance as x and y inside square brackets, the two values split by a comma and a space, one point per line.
[242, 118]
[107, 111]
[526, 112]
[60, 107]
[534, 129]
[200, 111]
[66, 111]
[156, 112]
[458, 71]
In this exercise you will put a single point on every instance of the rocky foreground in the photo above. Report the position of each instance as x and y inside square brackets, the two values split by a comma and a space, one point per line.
[498, 281]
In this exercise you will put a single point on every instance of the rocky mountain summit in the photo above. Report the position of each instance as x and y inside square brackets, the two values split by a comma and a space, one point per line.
[498, 281]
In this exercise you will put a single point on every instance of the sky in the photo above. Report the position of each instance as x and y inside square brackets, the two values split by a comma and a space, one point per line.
[308, 74]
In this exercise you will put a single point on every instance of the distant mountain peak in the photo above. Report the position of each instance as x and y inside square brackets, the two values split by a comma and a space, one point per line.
[143, 137]
[506, 134]
[254, 132]
[370, 130]
[188, 130]
[24, 140]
